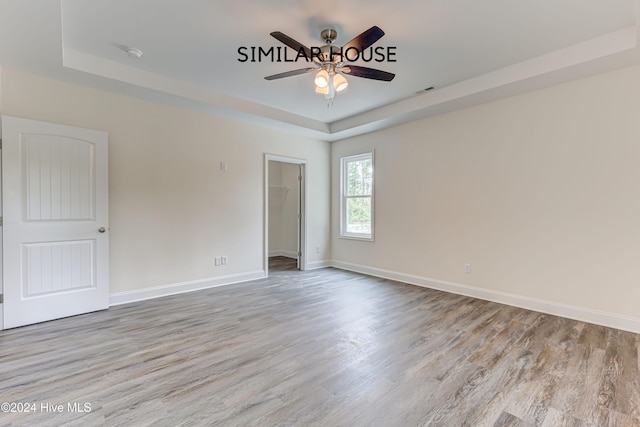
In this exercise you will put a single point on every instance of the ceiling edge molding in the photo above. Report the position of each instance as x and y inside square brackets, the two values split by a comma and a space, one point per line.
[625, 40]
[95, 65]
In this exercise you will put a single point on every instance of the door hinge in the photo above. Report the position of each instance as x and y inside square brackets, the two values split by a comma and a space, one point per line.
[299, 253]
[1, 299]
[1, 222]
[299, 177]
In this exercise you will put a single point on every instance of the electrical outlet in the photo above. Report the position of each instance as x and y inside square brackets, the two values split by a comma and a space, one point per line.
[224, 260]
[467, 268]
[217, 261]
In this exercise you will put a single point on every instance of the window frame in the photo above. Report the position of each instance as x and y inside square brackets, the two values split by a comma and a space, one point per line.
[344, 161]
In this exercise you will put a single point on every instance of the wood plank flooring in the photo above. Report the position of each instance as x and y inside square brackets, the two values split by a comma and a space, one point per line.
[320, 348]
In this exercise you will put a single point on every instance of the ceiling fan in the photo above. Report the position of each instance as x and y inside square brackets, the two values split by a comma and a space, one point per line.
[333, 62]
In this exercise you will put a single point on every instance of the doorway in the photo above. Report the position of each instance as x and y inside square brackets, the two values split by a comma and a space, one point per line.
[285, 224]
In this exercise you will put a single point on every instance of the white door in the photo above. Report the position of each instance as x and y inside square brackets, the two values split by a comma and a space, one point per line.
[55, 234]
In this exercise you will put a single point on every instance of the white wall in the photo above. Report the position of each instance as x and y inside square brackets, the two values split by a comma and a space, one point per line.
[283, 208]
[540, 193]
[171, 208]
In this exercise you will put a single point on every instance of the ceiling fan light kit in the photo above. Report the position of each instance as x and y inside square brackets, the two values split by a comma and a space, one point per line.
[329, 64]
[329, 82]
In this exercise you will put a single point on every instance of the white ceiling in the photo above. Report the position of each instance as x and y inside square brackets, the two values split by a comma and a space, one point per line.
[470, 51]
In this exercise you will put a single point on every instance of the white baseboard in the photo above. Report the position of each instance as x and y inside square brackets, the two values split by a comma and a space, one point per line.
[313, 265]
[179, 288]
[588, 315]
[281, 252]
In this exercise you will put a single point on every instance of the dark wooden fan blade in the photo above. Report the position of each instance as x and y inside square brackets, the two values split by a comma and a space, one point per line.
[289, 73]
[365, 39]
[367, 73]
[293, 44]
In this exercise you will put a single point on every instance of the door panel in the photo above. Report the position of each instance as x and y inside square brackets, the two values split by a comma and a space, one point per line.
[54, 267]
[55, 239]
[60, 178]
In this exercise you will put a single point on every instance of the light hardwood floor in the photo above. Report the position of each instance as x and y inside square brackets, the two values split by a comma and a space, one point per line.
[321, 348]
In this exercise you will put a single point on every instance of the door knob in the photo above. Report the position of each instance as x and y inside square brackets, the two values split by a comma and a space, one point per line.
[101, 230]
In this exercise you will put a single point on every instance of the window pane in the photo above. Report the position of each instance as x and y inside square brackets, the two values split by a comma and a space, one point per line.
[359, 177]
[356, 216]
[359, 215]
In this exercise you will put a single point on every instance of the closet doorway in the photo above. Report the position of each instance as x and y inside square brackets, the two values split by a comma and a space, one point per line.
[285, 220]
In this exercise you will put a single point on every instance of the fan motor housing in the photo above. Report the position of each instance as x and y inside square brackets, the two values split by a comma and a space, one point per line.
[328, 53]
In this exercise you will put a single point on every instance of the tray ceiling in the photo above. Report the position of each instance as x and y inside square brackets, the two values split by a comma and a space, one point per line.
[469, 51]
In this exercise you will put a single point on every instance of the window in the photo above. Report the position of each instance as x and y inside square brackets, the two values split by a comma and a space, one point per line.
[356, 202]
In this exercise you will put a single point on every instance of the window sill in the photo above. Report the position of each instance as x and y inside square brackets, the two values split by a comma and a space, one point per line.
[362, 239]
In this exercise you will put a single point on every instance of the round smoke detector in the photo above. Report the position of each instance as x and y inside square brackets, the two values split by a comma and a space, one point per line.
[134, 53]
